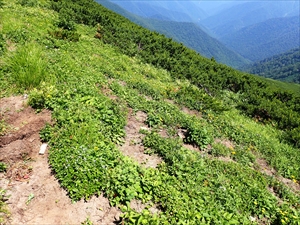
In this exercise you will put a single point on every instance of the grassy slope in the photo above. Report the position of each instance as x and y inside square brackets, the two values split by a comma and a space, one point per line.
[89, 125]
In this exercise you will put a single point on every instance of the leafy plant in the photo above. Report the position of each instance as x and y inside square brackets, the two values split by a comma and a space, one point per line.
[42, 98]
[3, 167]
[87, 222]
[197, 134]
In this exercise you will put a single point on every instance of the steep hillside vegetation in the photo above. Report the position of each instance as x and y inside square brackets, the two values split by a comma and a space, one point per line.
[263, 40]
[228, 142]
[285, 67]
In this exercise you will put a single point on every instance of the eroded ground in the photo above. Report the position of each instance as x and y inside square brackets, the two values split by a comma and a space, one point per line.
[35, 195]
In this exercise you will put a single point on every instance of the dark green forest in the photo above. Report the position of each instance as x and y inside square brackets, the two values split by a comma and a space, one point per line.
[259, 98]
[266, 39]
[284, 67]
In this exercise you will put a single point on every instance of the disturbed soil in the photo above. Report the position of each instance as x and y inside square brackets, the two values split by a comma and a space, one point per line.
[133, 146]
[35, 195]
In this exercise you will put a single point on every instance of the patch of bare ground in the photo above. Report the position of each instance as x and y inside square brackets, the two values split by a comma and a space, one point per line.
[138, 206]
[191, 112]
[133, 146]
[265, 168]
[185, 110]
[108, 92]
[35, 195]
[227, 143]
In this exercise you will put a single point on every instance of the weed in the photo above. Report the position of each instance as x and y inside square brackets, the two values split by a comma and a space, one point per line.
[28, 67]
[4, 213]
[87, 222]
[3, 167]
[197, 134]
[3, 127]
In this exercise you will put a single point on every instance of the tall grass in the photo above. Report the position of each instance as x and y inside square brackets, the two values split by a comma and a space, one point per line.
[27, 66]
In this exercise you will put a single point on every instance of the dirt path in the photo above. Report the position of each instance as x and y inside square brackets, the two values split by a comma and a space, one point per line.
[36, 196]
[133, 146]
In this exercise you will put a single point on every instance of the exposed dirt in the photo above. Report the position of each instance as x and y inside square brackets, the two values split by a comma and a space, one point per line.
[133, 146]
[227, 143]
[265, 168]
[36, 196]
[138, 206]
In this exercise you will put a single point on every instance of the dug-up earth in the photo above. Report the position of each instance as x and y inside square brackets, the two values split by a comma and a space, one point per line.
[35, 195]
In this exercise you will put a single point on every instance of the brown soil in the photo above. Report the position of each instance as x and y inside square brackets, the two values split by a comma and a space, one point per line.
[227, 143]
[35, 195]
[133, 146]
[265, 168]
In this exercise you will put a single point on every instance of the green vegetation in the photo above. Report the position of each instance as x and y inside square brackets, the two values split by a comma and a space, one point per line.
[284, 67]
[94, 82]
[27, 66]
[4, 213]
[262, 97]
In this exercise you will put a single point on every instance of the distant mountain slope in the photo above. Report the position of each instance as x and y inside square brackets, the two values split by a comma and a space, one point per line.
[236, 17]
[284, 67]
[194, 37]
[180, 11]
[189, 34]
[263, 40]
[149, 11]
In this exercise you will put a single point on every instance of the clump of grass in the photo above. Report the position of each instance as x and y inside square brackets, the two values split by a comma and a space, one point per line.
[27, 66]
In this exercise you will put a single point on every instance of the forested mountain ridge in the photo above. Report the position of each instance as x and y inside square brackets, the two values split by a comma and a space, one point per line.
[265, 39]
[246, 14]
[187, 33]
[163, 134]
[179, 11]
[284, 67]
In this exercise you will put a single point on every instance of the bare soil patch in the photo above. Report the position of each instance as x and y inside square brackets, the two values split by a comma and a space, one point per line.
[227, 143]
[36, 196]
[265, 168]
[133, 146]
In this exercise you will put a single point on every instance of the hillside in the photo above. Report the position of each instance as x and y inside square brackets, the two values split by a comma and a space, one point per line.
[187, 33]
[265, 39]
[284, 67]
[151, 128]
